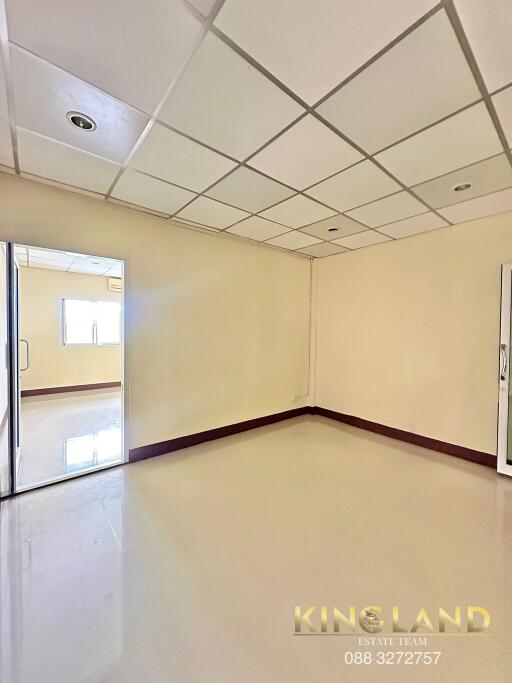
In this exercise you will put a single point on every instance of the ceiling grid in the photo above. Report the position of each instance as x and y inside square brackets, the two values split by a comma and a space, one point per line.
[259, 139]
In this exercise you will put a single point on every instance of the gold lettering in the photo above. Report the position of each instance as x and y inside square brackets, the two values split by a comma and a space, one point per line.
[444, 618]
[339, 618]
[396, 627]
[422, 621]
[304, 619]
[471, 619]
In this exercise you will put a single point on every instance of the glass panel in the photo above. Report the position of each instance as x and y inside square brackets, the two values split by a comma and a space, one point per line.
[78, 322]
[4, 377]
[108, 322]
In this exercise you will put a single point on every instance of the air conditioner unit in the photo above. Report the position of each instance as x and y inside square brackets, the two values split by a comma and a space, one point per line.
[114, 284]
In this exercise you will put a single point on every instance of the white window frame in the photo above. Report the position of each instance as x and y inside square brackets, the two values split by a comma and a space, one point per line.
[94, 342]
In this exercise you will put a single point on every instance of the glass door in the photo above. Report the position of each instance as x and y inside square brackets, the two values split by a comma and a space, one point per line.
[7, 415]
[504, 459]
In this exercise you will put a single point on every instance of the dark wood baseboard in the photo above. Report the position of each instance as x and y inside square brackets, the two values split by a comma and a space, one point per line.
[72, 387]
[149, 451]
[479, 457]
[143, 452]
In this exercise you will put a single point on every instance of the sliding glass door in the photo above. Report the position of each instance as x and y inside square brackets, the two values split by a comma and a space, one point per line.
[504, 402]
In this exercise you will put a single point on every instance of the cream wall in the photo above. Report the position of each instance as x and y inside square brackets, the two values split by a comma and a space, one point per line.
[407, 332]
[51, 363]
[217, 328]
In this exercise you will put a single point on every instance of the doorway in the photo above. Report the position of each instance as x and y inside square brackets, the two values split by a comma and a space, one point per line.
[504, 459]
[61, 314]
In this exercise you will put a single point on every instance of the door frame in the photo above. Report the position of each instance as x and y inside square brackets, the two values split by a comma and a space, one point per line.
[13, 342]
[503, 466]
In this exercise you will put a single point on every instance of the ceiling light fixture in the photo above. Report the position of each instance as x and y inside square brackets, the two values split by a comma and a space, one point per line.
[81, 121]
[332, 229]
[462, 187]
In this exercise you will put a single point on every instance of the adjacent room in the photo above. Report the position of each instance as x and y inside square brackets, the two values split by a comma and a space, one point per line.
[70, 355]
[255, 323]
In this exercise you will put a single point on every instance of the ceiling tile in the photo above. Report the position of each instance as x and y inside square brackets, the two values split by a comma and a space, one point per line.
[323, 229]
[312, 48]
[297, 212]
[44, 94]
[460, 140]
[293, 240]
[120, 47]
[225, 102]
[410, 86]
[56, 161]
[258, 228]
[503, 103]
[358, 185]
[172, 157]
[305, 154]
[249, 190]
[387, 210]
[498, 202]
[485, 176]
[488, 27]
[324, 249]
[413, 226]
[47, 265]
[4, 112]
[204, 6]
[362, 239]
[137, 188]
[6, 158]
[209, 212]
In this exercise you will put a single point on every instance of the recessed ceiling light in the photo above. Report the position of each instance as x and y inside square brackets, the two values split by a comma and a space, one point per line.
[80, 120]
[462, 187]
[332, 229]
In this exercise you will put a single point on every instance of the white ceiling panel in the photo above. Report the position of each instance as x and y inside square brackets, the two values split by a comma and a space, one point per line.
[204, 6]
[56, 161]
[387, 210]
[137, 188]
[333, 228]
[413, 226]
[483, 177]
[4, 114]
[297, 212]
[323, 249]
[249, 190]
[362, 239]
[6, 157]
[293, 240]
[488, 26]
[490, 204]
[460, 140]
[503, 103]
[257, 228]
[44, 94]
[174, 158]
[410, 86]
[312, 47]
[219, 101]
[125, 48]
[305, 154]
[214, 214]
[358, 185]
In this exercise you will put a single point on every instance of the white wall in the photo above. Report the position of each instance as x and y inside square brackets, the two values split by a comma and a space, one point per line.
[217, 328]
[408, 332]
[51, 363]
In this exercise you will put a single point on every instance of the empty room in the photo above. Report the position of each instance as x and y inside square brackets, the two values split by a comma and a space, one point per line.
[255, 319]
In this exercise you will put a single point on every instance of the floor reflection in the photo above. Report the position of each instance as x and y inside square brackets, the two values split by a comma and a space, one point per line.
[67, 434]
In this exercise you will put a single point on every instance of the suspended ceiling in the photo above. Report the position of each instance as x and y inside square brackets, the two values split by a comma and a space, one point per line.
[51, 259]
[314, 127]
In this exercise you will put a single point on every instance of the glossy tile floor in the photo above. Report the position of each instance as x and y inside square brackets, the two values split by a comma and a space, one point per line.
[186, 568]
[62, 434]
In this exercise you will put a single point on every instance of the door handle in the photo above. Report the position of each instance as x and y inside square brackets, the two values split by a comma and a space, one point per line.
[503, 362]
[25, 341]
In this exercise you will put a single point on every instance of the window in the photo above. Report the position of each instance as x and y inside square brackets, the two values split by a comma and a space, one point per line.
[95, 323]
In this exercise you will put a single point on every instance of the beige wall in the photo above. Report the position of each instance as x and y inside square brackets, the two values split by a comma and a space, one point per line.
[408, 332]
[51, 363]
[217, 328]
